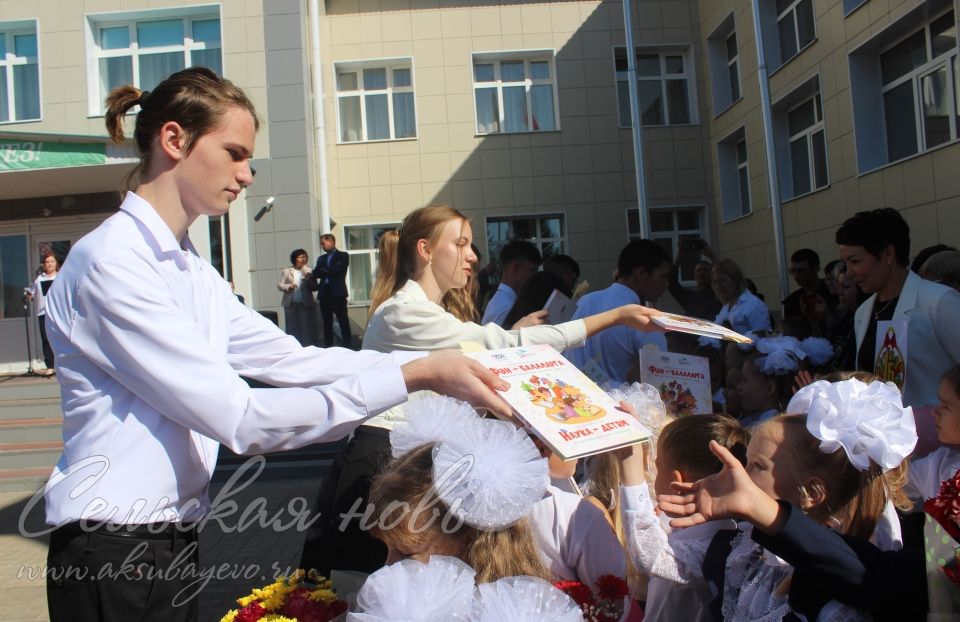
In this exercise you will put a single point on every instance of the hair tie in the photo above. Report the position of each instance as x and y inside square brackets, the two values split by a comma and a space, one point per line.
[143, 98]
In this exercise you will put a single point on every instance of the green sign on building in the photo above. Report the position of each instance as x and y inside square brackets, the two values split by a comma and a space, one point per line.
[32, 154]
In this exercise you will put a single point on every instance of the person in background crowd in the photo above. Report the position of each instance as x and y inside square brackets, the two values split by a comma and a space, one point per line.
[742, 311]
[842, 335]
[698, 301]
[38, 292]
[813, 300]
[642, 275]
[944, 268]
[331, 276]
[830, 275]
[299, 309]
[926, 253]
[566, 267]
[519, 260]
[533, 296]
[876, 246]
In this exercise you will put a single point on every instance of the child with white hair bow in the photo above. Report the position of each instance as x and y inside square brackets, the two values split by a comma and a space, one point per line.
[461, 486]
[828, 463]
[442, 590]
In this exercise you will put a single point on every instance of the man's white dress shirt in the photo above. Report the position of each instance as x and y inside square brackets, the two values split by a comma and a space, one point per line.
[150, 342]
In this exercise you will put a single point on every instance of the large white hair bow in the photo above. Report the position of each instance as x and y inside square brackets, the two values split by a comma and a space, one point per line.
[783, 355]
[867, 420]
[488, 472]
[524, 599]
[441, 590]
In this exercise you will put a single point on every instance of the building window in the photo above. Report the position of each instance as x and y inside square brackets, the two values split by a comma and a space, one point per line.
[734, 173]
[19, 72]
[144, 48]
[919, 76]
[904, 87]
[547, 231]
[375, 101]
[808, 147]
[515, 92]
[795, 27]
[664, 87]
[14, 275]
[724, 59]
[361, 244]
[850, 5]
[670, 227]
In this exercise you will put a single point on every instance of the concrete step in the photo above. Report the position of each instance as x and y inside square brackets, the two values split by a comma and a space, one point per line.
[36, 408]
[14, 388]
[27, 455]
[26, 479]
[31, 430]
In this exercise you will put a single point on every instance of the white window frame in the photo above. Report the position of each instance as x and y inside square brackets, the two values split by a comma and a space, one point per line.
[796, 29]
[96, 22]
[743, 166]
[371, 252]
[676, 234]
[9, 30]
[527, 56]
[948, 60]
[807, 135]
[538, 240]
[733, 63]
[358, 66]
[688, 75]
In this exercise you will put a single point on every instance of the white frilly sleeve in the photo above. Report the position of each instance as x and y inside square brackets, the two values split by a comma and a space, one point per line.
[653, 552]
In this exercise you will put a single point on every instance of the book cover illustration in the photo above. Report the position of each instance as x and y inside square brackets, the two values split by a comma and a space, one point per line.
[683, 380]
[559, 404]
[696, 326]
[891, 354]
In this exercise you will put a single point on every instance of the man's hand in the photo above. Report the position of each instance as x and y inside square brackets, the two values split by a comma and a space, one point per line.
[451, 373]
[532, 319]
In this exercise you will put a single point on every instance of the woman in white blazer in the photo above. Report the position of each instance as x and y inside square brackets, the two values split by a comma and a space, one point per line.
[299, 306]
[875, 246]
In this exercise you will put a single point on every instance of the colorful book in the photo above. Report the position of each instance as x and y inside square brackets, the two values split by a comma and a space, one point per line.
[683, 380]
[696, 326]
[557, 402]
[560, 308]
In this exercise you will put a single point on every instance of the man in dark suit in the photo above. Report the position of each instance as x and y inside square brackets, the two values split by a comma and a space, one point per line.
[331, 275]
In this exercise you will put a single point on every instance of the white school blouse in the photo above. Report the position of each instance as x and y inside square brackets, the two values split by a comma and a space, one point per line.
[150, 343]
[409, 320]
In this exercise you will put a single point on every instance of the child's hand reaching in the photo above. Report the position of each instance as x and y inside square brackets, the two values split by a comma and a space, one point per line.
[727, 494]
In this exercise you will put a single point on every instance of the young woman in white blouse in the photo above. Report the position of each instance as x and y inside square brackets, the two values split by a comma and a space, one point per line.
[421, 301]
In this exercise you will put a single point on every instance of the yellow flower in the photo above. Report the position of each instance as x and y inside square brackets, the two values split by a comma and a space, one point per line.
[273, 617]
[246, 600]
[230, 616]
[326, 595]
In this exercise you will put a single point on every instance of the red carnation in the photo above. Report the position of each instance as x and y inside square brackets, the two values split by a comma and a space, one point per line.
[610, 587]
[299, 606]
[250, 613]
[579, 592]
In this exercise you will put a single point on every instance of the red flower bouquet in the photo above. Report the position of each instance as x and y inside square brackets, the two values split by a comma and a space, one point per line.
[945, 507]
[297, 598]
[606, 604]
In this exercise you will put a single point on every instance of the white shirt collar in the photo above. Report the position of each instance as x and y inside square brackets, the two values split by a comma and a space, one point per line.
[157, 232]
